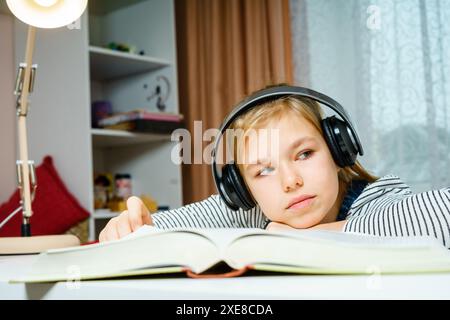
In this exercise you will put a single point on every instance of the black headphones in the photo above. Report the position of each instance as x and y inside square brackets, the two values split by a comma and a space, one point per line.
[340, 135]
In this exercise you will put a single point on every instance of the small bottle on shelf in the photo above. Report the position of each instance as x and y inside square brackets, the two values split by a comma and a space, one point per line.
[123, 186]
[122, 191]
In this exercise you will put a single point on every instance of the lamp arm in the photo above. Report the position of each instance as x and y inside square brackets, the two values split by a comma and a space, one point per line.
[23, 91]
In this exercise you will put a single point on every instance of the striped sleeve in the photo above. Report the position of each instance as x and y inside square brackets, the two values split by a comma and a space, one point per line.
[209, 213]
[395, 211]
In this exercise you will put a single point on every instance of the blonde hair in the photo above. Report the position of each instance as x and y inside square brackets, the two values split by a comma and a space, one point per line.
[261, 115]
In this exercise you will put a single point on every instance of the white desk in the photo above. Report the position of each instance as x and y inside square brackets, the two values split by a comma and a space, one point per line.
[425, 286]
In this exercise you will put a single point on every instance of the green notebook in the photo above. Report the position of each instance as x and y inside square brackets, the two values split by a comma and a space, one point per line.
[196, 252]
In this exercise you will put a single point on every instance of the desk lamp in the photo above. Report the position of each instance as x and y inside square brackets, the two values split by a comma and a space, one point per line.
[47, 14]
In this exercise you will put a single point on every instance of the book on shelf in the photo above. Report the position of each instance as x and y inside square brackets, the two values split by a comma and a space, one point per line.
[233, 252]
[147, 126]
[140, 115]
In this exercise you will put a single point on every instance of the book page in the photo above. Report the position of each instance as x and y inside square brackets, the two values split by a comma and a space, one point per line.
[143, 230]
[222, 237]
[146, 250]
[357, 239]
[320, 251]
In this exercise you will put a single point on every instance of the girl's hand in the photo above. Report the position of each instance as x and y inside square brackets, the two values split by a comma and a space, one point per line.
[128, 221]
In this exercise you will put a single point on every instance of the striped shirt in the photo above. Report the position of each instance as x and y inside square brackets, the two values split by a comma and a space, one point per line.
[386, 207]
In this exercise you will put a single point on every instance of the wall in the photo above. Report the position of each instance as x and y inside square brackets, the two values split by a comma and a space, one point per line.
[7, 109]
[58, 121]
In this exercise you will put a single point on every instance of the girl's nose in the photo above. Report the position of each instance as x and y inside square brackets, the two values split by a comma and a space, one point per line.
[291, 180]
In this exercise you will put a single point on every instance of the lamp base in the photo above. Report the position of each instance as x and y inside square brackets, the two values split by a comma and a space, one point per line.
[36, 244]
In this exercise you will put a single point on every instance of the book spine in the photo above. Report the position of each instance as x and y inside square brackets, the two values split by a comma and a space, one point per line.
[117, 119]
[230, 274]
[136, 116]
[147, 126]
[156, 126]
[162, 117]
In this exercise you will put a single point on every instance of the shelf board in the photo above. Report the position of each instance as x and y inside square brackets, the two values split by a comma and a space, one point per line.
[109, 64]
[101, 7]
[117, 138]
[104, 214]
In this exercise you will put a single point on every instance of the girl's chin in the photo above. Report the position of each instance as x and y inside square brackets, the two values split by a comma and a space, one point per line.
[306, 220]
[303, 226]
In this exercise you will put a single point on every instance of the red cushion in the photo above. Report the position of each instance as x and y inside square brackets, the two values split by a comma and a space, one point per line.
[55, 209]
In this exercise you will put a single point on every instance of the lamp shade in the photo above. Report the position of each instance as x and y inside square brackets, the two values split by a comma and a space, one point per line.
[47, 13]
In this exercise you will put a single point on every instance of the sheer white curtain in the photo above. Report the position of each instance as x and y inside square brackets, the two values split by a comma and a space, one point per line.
[388, 63]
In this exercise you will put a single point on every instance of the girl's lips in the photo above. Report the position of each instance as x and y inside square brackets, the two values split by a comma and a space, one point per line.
[302, 204]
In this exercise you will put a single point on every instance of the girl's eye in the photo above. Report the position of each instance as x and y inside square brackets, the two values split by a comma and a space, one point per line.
[304, 155]
[265, 172]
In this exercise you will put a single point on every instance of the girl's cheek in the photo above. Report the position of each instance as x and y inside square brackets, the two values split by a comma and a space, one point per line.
[255, 188]
[262, 188]
[326, 166]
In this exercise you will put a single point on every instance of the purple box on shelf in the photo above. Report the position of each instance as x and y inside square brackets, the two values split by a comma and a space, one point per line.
[100, 110]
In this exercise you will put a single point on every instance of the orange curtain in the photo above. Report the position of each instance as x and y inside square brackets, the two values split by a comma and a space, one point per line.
[226, 50]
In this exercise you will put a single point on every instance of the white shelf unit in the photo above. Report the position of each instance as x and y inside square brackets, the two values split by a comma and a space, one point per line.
[104, 214]
[127, 80]
[76, 69]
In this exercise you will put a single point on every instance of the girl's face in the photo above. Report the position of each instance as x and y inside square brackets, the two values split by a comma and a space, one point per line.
[294, 180]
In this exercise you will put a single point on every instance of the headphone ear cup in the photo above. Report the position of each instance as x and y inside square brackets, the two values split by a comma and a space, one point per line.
[339, 142]
[235, 188]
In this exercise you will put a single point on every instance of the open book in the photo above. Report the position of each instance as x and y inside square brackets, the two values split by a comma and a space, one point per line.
[196, 252]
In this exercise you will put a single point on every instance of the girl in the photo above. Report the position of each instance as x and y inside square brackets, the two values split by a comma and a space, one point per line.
[297, 184]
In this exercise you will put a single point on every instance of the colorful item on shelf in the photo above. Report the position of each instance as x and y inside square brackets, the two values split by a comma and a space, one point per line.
[144, 121]
[103, 190]
[140, 114]
[100, 110]
[122, 47]
[123, 186]
[149, 202]
[117, 205]
[147, 126]
[161, 98]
